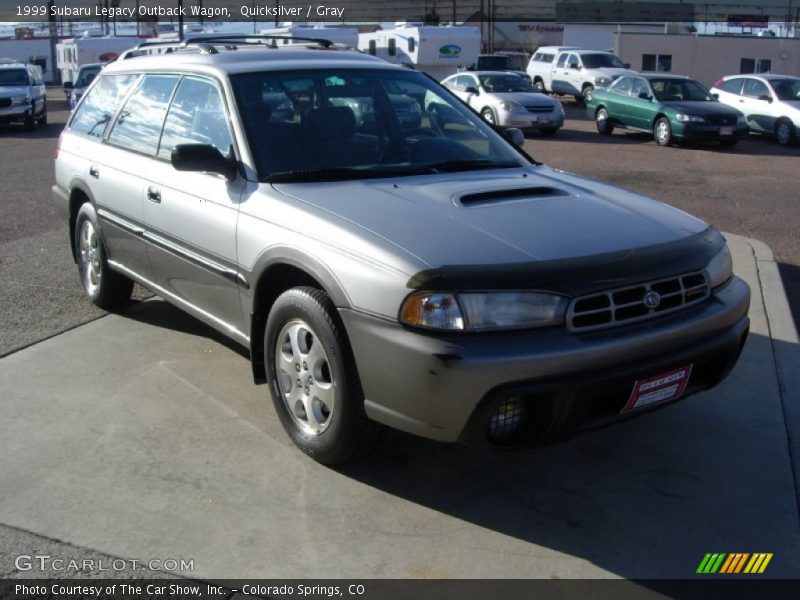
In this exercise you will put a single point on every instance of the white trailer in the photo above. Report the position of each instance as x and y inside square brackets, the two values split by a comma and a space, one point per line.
[438, 51]
[72, 54]
[346, 36]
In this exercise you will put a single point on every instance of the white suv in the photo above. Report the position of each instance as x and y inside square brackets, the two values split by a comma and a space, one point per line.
[22, 94]
[770, 102]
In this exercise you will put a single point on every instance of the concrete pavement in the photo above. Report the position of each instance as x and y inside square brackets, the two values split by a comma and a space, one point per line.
[142, 436]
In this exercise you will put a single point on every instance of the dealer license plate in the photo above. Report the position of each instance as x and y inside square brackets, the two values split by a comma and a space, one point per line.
[726, 130]
[658, 388]
[542, 119]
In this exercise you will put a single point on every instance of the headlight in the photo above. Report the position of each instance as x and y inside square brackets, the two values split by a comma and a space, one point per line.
[20, 99]
[602, 81]
[365, 107]
[483, 311]
[689, 118]
[720, 268]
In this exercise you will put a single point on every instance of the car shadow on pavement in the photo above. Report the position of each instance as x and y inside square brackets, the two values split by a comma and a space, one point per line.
[13, 130]
[790, 275]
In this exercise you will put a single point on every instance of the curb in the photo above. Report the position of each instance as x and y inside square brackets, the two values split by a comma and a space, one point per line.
[785, 346]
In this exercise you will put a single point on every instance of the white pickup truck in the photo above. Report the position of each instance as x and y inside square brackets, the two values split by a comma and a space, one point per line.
[574, 71]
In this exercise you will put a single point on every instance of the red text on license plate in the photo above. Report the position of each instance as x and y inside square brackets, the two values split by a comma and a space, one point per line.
[658, 388]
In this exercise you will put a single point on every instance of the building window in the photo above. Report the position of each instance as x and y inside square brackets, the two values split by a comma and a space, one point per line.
[755, 65]
[392, 47]
[657, 62]
[373, 47]
[412, 44]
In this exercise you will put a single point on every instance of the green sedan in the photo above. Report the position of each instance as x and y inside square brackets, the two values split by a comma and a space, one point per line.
[671, 107]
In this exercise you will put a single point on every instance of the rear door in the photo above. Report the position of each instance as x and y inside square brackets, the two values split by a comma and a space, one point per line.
[616, 100]
[559, 74]
[191, 217]
[757, 101]
[642, 111]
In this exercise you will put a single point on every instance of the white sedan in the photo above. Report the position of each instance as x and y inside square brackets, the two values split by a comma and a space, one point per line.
[507, 100]
[770, 102]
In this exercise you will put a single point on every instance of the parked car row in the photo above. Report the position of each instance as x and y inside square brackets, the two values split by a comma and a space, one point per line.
[23, 97]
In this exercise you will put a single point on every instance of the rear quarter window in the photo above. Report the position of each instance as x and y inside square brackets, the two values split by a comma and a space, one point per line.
[100, 105]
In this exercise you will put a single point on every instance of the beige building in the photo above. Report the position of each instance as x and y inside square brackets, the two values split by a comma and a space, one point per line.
[708, 57]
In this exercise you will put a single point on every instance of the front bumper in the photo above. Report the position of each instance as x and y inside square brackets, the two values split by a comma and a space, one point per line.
[14, 113]
[708, 132]
[530, 120]
[445, 388]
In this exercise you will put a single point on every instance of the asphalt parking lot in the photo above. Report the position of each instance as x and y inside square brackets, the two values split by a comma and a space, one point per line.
[179, 455]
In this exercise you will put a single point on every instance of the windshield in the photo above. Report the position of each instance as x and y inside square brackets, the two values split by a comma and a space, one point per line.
[495, 63]
[499, 84]
[13, 77]
[787, 89]
[599, 61]
[86, 75]
[356, 123]
[680, 90]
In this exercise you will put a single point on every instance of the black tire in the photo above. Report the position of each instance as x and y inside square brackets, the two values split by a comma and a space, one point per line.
[107, 289]
[488, 116]
[548, 131]
[603, 122]
[347, 432]
[662, 132]
[785, 132]
[30, 120]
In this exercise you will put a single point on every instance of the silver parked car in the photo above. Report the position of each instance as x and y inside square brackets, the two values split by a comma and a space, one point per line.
[435, 279]
[507, 100]
[23, 97]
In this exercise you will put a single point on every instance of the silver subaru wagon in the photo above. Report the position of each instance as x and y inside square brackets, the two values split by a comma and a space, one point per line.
[422, 273]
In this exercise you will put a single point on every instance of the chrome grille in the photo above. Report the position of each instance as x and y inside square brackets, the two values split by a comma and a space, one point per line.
[627, 305]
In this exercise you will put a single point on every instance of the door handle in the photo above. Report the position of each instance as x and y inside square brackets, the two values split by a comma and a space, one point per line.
[94, 172]
[154, 194]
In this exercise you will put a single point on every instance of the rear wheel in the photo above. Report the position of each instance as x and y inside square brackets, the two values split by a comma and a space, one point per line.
[785, 132]
[538, 85]
[662, 132]
[603, 122]
[106, 288]
[314, 384]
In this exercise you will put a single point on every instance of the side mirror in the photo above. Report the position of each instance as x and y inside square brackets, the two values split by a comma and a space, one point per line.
[203, 158]
[68, 85]
[645, 96]
[575, 66]
[516, 136]
[765, 98]
[471, 89]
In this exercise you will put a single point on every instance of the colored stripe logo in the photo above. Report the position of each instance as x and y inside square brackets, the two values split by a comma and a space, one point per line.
[734, 563]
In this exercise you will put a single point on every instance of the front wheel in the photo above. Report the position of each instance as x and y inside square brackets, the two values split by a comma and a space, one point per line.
[43, 116]
[538, 85]
[30, 119]
[785, 132]
[588, 93]
[603, 122]
[488, 116]
[106, 288]
[314, 384]
[662, 132]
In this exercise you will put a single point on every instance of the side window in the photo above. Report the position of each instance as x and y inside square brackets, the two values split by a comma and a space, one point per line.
[373, 47]
[574, 62]
[639, 86]
[138, 127]
[732, 86]
[622, 86]
[754, 88]
[392, 47]
[196, 116]
[100, 105]
[562, 60]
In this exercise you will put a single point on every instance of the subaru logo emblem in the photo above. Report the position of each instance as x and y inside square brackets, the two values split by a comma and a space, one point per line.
[651, 299]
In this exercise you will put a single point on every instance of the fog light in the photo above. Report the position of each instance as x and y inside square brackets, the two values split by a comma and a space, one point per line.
[508, 419]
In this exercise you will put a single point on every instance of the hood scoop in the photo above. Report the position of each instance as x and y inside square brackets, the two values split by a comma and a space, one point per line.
[509, 195]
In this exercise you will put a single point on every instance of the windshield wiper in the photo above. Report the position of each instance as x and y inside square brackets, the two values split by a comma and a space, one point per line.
[342, 174]
[450, 166]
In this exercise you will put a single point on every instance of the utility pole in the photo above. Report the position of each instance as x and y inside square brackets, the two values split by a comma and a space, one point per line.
[53, 41]
[180, 20]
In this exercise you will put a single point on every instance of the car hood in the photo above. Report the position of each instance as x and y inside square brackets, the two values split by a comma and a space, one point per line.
[611, 72]
[522, 215]
[8, 92]
[524, 98]
[701, 108]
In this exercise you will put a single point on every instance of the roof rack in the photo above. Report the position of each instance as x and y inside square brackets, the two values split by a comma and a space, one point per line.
[207, 44]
